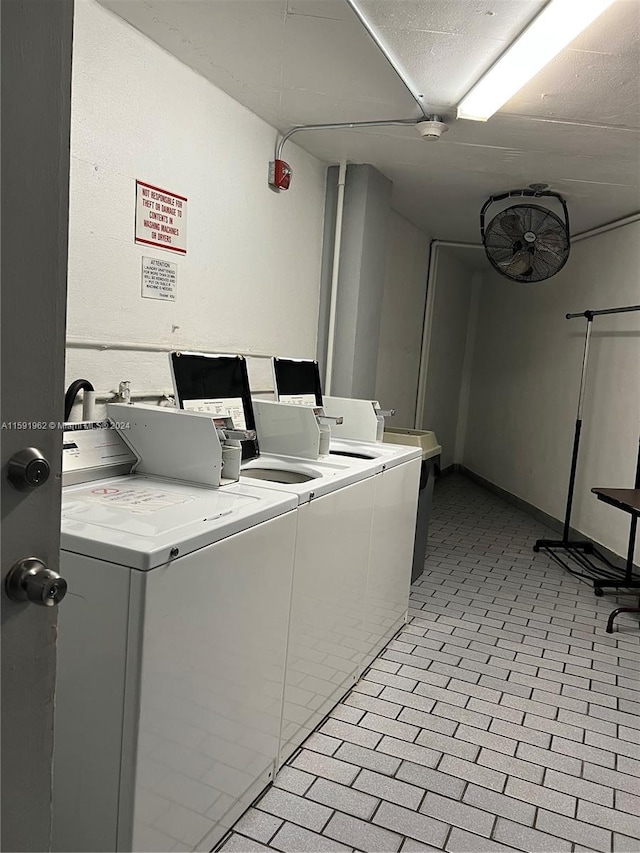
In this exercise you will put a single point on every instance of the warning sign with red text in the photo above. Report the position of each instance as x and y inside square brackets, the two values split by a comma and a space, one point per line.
[161, 218]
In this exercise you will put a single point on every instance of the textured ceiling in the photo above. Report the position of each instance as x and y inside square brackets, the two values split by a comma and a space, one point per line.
[576, 125]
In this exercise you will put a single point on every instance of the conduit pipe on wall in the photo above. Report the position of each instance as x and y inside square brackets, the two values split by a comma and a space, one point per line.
[335, 271]
[610, 226]
[115, 396]
[131, 346]
[161, 397]
[344, 125]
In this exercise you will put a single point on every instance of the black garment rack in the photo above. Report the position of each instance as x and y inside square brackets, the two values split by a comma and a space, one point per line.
[574, 554]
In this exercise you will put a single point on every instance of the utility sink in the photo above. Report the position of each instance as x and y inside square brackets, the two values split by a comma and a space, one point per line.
[278, 476]
[424, 439]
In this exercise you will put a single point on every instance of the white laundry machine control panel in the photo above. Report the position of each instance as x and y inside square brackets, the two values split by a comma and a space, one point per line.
[91, 449]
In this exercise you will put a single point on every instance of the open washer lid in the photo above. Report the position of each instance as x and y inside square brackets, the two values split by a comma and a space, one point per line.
[218, 384]
[297, 380]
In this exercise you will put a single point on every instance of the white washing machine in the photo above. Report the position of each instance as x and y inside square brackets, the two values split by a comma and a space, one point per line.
[340, 572]
[328, 634]
[392, 536]
[352, 564]
[171, 654]
[395, 500]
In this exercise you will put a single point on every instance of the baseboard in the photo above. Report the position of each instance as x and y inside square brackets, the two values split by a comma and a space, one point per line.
[537, 513]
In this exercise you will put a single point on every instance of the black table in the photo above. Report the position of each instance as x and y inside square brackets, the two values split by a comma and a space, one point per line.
[627, 500]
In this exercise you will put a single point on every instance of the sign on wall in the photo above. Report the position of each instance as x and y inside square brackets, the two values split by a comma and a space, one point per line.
[161, 218]
[159, 279]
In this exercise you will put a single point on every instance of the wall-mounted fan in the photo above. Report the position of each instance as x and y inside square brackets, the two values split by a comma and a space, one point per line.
[526, 242]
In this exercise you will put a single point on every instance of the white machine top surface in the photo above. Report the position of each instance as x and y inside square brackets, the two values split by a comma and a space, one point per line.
[328, 473]
[137, 521]
[386, 455]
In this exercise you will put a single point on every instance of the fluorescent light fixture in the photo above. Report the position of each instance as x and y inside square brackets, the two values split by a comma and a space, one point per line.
[554, 28]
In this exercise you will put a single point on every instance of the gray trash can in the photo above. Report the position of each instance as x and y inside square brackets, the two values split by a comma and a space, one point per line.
[431, 451]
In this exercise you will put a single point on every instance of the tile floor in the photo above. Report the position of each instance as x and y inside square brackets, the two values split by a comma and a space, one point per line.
[502, 717]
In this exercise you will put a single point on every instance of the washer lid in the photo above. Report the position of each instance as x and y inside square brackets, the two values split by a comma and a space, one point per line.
[138, 521]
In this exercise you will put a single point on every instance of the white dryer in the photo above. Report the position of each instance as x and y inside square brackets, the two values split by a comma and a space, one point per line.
[172, 646]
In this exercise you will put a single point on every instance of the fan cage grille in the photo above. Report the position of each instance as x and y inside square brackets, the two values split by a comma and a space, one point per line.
[525, 259]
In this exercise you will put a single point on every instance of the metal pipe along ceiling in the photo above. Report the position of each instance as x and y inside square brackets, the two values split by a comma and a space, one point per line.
[344, 125]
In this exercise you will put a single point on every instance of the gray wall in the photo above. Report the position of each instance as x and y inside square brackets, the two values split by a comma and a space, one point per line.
[402, 320]
[367, 203]
[447, 345]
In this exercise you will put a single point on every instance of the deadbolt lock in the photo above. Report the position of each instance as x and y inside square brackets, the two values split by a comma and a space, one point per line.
[28, 469]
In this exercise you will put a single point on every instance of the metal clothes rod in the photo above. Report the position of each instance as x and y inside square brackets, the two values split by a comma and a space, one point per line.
[580, 550]
[588, 314]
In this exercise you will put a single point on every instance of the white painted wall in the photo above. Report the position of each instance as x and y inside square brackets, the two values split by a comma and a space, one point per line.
[447, 345]
[402, 319]
[524, 385]
[250, 279]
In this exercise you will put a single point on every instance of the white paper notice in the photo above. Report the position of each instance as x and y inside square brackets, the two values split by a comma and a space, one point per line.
[161, 218]
[298, 399]
[138, 500]
[226, 407]
[159, 279]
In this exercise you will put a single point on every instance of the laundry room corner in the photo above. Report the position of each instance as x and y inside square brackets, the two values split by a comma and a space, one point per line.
[520, 424]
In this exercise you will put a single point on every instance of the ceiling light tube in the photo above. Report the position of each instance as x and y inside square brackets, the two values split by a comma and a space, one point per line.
[553, 29]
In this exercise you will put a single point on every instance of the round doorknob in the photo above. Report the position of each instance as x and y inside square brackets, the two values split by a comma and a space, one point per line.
[31, 580]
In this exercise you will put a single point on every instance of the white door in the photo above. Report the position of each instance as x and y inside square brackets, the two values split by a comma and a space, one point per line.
[36, 105]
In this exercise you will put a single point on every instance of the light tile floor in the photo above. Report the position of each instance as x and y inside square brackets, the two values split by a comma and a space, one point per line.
[502, 717]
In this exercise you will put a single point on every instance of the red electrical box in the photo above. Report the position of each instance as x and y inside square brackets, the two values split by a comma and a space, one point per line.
[280, 174]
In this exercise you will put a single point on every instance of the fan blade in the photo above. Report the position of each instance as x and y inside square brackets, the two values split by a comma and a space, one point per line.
[512, 225]
[495, 239]
[517, 264]
[542, 269]
[538, 217]
[551, 241]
